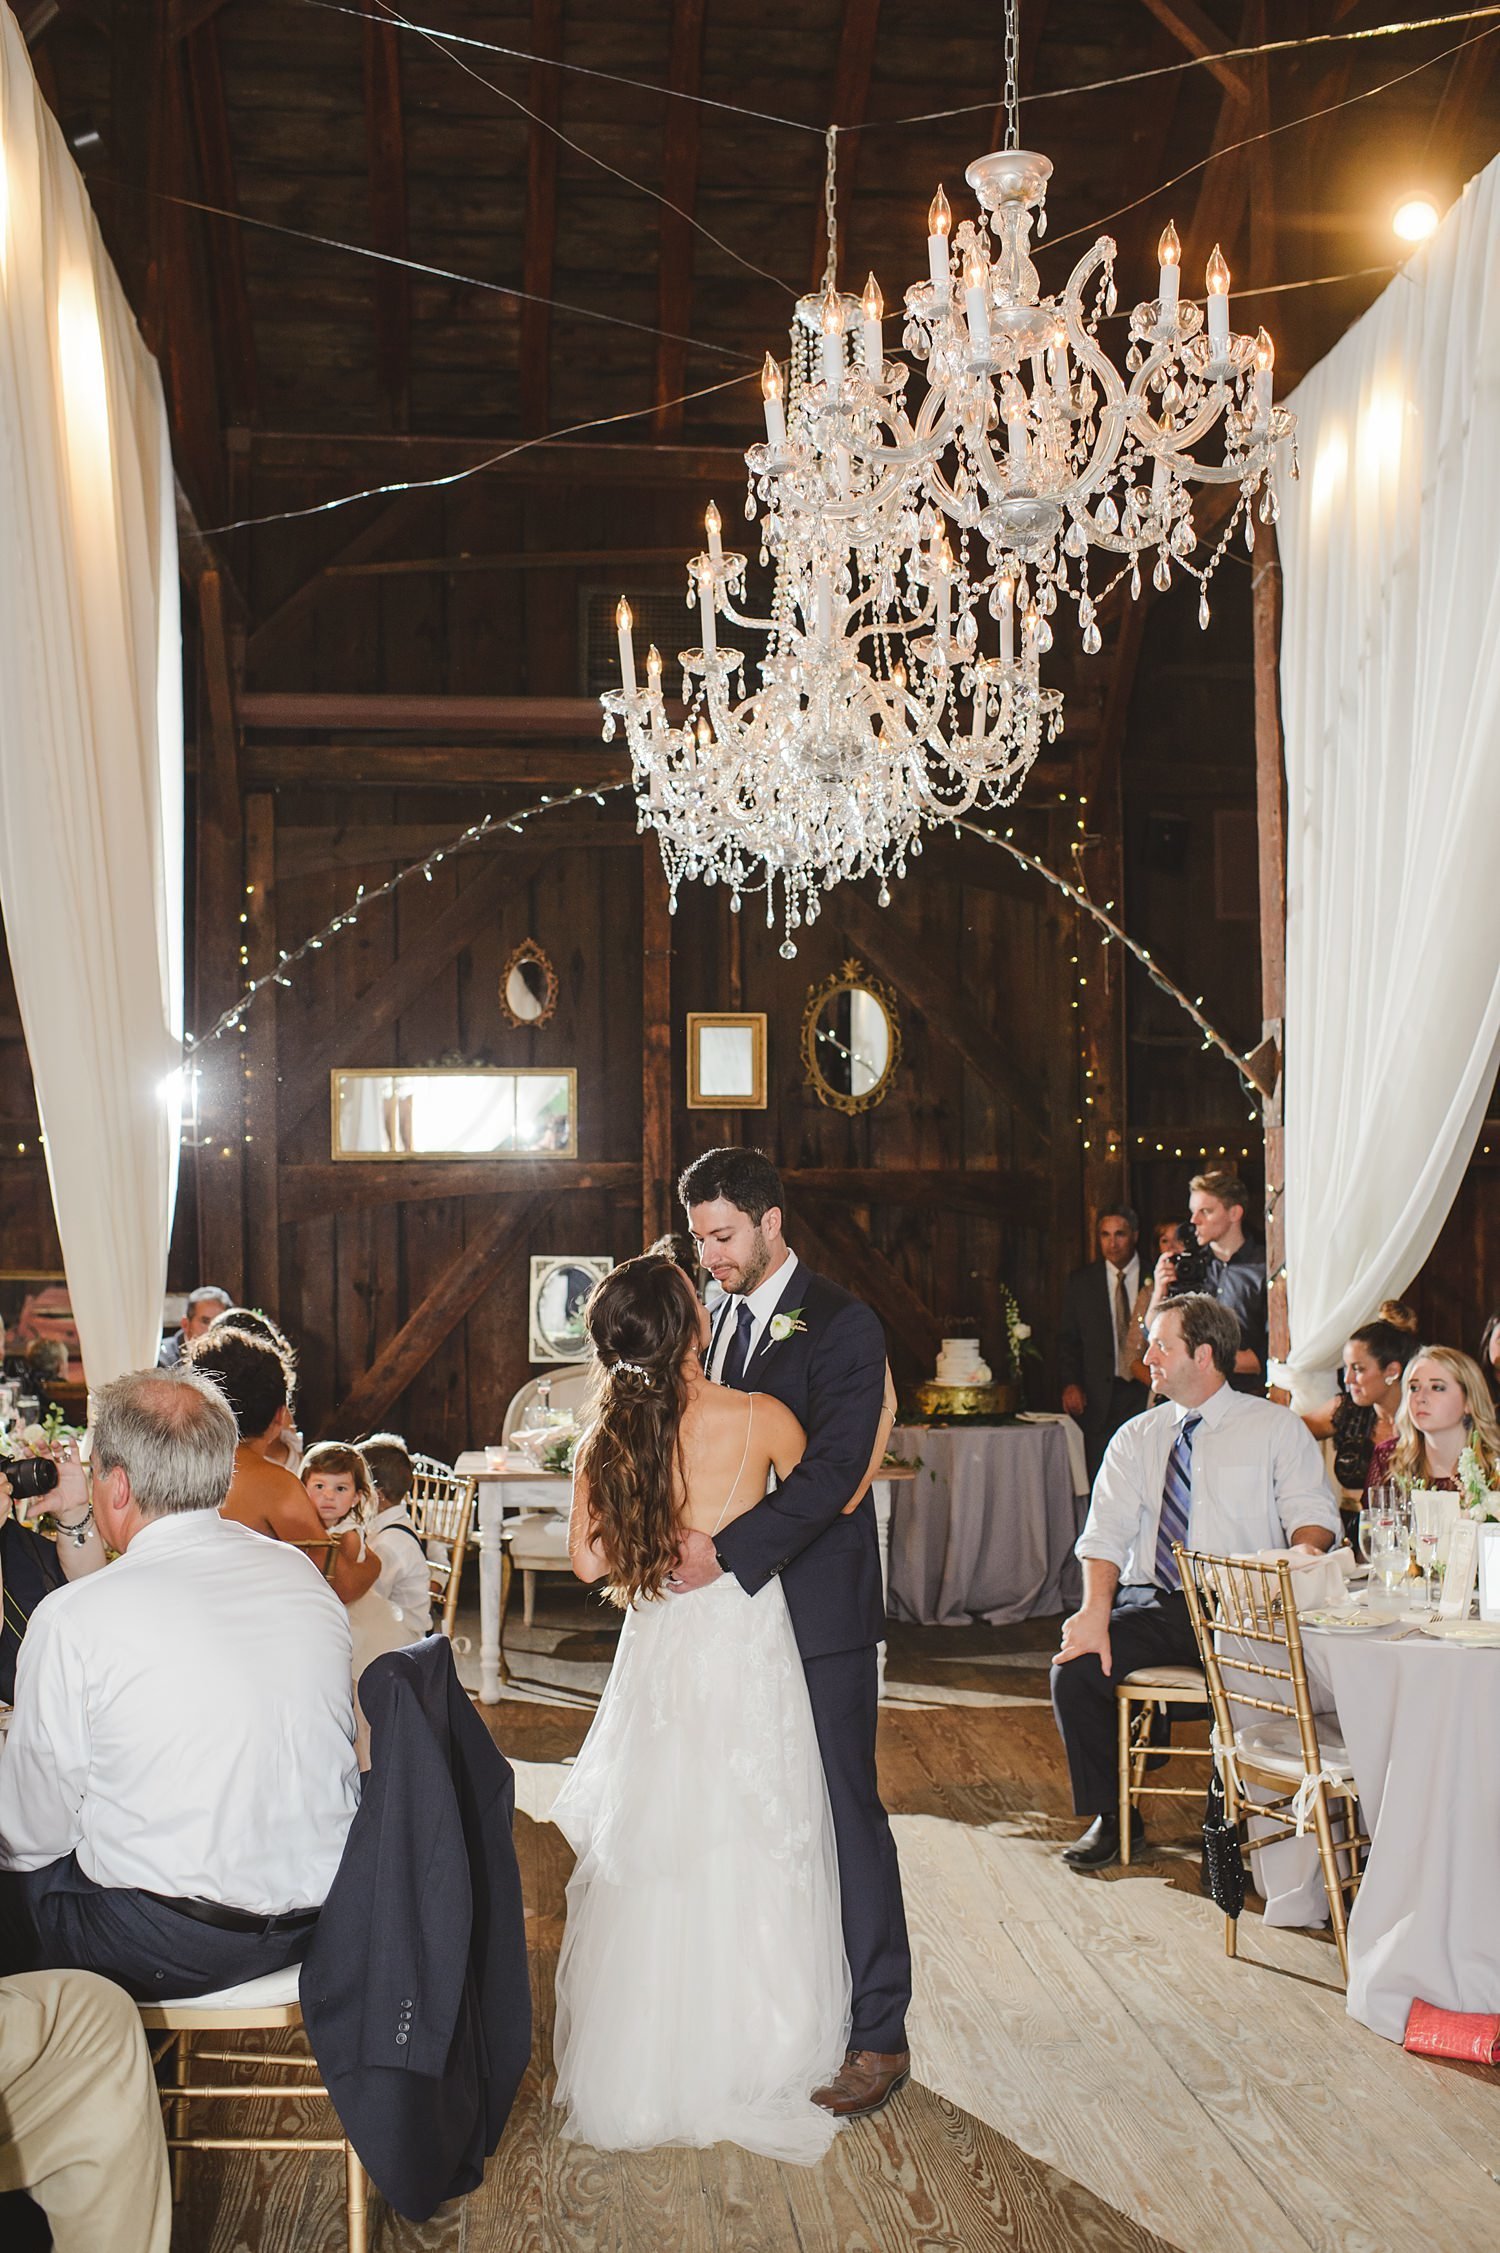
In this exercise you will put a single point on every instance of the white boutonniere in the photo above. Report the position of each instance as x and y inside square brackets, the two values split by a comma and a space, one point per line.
[788, 1325]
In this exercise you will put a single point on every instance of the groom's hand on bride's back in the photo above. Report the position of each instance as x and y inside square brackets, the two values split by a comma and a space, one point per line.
[697, 1564]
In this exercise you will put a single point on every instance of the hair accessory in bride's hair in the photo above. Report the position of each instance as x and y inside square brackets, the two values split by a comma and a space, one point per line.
[633, 1369]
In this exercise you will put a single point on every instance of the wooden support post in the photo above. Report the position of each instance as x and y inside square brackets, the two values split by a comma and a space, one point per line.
[226, 237]
[402, 1357]
[1270, 801]
[218, 973]
[657, 1211]
[262, 1172]
[674, 290]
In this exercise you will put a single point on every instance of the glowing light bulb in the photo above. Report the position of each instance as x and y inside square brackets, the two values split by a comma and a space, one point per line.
[1217, 278]
[623, 624]
[770, 386]
[653, 669]
[1169, 274]
[1169, 246]
[872, 305]
[1415, 218]
[976, 304]
[1265, 361]
[939, 223]
[832, 323]
[939, 214]
[770, 379]
[713, 525]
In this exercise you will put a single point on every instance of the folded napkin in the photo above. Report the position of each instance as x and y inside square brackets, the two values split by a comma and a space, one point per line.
[1318, 1580]
[1472, 2035]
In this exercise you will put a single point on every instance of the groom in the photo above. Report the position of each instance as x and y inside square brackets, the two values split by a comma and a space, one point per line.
[785, 1331]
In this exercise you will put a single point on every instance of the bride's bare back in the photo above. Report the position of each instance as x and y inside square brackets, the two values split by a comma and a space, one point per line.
[730, 1443]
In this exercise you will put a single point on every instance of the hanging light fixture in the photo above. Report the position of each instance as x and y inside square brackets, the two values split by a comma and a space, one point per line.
[918, 556]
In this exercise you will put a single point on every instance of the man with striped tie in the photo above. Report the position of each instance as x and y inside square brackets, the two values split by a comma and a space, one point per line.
[1217, 1469]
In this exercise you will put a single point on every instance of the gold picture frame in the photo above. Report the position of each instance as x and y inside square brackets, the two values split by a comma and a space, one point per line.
[528, 953]
[726, 1060]
[374, 1115]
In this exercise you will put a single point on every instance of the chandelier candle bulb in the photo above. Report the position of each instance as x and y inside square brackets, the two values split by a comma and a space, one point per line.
[1217, 278]
[706, 612]
[1007, 621]
[1265, 362]
[623, 624]
[976, 306]
[770, 388]
[833, 341]
[872, 305]
[653, 671]
[939, 225]
[1169, 254]
[713, 525]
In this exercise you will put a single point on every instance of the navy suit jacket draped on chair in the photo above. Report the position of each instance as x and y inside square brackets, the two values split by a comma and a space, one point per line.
[415, 1991]
[831, 1375]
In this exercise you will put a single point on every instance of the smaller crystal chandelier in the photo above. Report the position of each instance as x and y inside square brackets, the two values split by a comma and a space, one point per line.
[902, 541]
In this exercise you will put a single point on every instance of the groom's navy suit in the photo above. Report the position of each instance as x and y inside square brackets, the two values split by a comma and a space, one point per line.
[831, 1375]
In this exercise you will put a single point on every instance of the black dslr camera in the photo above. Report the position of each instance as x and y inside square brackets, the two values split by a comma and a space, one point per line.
[1194, 1266]
[28, 1476]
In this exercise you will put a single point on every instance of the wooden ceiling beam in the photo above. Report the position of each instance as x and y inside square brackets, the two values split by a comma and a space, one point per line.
[367, 454]
[847, 102]
[236, 328]
[675, 235]
[311, 849]
[184, 17]
[313, 710]
[431, 766]
[1195, 30]
[310, 1192]
[539, 258]
[385, 151]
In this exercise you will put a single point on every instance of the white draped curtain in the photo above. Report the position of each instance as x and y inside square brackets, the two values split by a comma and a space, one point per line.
[1390, 681]
[90, 731]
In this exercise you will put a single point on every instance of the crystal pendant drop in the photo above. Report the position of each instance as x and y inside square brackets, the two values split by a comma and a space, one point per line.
[1093, 640]
[1161, 577]
[1203, 611]
[787, 950]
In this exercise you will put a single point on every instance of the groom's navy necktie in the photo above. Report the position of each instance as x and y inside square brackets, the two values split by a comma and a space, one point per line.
[739, 1346]
[1176, 1504]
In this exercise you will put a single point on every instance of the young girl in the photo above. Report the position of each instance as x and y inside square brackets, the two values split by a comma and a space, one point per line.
[337, 1480]
[405, 1580]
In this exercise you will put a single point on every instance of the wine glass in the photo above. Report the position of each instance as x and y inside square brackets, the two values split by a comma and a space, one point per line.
[1428, 1526]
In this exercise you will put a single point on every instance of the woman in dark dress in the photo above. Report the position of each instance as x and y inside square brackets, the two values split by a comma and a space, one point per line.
[31, 1565]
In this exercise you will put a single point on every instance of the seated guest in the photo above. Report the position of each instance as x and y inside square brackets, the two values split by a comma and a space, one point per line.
[1445, 1407]
[31, 1566]
[1361, 1419]
[1213, 1468]
[179, 1773]
[1489, 1357]
[202, 1305]
[405, 1581]
[254, 1379]
[80, 2120]
[286, 1448]
[338, 1487]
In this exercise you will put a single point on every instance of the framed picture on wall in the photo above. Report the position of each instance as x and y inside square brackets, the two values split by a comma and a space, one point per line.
[34, 1303]
[726, 1060]
[560, 1288]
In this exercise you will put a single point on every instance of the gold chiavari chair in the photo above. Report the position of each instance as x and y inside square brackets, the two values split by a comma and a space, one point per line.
[1269, 1740]
[441, 1504]
[1138, 1697]
[187, 2035]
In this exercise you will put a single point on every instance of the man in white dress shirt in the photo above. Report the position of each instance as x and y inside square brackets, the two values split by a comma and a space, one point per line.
[1219, 1470]
[179, 1774]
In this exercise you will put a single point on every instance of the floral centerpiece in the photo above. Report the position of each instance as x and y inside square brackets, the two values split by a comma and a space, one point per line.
[1480, 1499]
[1017, 1333]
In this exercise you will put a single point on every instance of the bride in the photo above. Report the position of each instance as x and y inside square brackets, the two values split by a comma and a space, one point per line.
[702, 1991]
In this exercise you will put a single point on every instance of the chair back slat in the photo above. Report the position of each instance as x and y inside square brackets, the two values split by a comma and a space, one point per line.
[1252, 1602]
[441, 1505]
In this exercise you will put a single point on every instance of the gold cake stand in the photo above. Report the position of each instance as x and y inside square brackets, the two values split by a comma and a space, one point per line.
[949, 1401]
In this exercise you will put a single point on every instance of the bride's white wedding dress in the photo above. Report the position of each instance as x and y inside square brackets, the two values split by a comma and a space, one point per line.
[702, 1990]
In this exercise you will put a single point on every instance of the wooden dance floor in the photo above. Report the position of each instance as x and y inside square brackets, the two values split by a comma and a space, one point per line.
[1089, 2070]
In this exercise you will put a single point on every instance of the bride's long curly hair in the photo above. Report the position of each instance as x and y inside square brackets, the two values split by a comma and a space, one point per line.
[643, 1321]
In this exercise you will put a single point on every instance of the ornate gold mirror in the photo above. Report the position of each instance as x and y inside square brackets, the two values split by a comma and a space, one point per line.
[851, 1039]
[528, 985]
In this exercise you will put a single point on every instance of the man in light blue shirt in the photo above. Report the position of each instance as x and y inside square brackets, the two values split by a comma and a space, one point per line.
[1213, 1468]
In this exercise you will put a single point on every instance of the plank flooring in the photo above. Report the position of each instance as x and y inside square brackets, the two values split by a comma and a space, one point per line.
[1089, 2069]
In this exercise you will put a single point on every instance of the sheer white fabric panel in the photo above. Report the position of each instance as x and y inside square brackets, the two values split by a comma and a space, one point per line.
[91, 818]
[1390, 679]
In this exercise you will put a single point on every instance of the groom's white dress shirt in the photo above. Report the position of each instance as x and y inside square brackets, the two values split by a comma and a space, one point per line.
[184, 1722]
[762, 1302]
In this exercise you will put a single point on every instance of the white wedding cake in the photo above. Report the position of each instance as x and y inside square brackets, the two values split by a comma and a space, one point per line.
[960, 1363]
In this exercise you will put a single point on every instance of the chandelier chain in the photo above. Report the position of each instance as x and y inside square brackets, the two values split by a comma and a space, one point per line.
[831, 209]
[1012, 70]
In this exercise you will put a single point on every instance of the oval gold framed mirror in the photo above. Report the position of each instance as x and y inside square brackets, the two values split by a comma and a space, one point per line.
[528, 986]
[851, 1039]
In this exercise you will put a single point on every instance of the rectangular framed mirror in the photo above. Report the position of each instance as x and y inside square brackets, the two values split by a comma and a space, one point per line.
[458, 1112]
[726, 1060]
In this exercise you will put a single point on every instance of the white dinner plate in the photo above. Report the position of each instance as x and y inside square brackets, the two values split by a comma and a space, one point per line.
[1347, 1619]
[1478, 1634]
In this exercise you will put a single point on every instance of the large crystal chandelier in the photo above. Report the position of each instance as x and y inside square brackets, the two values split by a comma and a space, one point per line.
[918, 553]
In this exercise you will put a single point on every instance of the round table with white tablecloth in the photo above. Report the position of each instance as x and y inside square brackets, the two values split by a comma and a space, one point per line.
[986, 1529]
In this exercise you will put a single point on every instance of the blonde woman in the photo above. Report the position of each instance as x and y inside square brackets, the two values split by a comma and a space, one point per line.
[1445, 1407]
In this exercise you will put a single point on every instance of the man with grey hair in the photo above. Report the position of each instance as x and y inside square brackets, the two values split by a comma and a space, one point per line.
[1215, 1469]
[203, 1308]
[180, 1772]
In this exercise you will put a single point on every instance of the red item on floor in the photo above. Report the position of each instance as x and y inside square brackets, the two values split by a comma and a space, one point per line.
[1472, 2035]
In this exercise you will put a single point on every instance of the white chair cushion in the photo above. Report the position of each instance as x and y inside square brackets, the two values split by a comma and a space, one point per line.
[273, 1988]
[1186, 1678]
[1273, 1743]
[539, 1542]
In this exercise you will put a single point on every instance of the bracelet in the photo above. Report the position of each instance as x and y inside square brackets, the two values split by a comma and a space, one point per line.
[78, 1532]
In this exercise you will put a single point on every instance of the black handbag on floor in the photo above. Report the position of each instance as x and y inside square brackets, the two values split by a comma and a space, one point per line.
[1223, 1864]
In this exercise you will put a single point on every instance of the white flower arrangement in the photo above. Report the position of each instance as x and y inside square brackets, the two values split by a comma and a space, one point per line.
[1480, 1499]
[1017, 1332]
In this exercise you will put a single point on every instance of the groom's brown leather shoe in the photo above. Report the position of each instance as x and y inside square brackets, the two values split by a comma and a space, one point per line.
[865, 2081]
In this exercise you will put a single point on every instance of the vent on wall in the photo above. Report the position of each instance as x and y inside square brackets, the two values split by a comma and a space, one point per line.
[659, 617]
[1236, 864]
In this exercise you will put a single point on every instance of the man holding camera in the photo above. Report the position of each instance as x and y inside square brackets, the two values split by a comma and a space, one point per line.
[1226, 1264]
